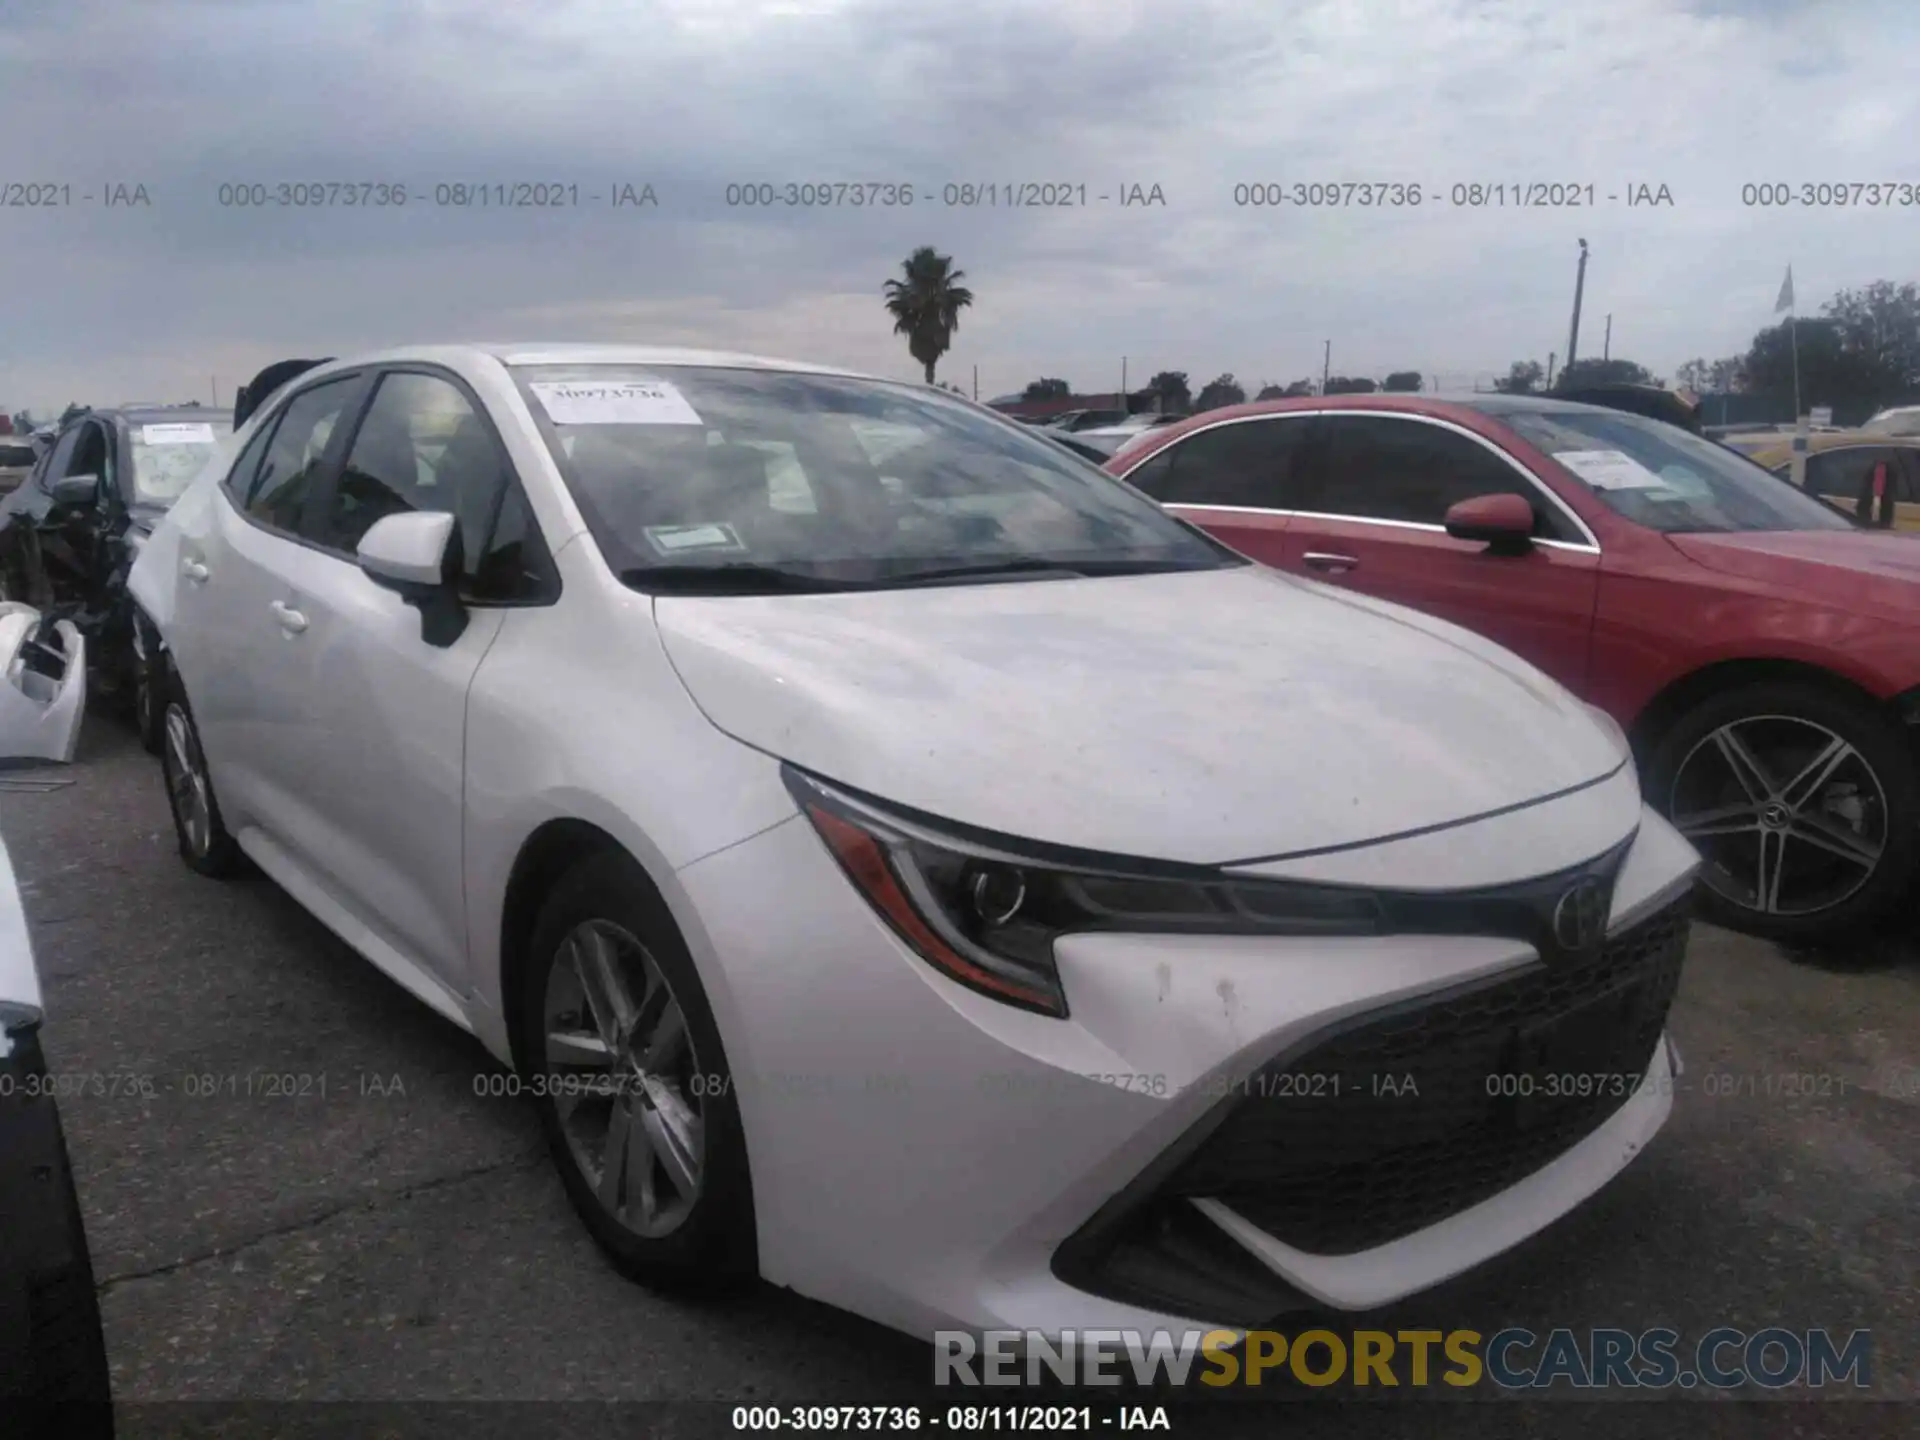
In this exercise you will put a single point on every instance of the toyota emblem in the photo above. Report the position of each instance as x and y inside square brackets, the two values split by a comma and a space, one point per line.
[1580, 917]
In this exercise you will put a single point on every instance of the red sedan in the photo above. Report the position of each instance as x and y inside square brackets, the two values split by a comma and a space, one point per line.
[1762, 651]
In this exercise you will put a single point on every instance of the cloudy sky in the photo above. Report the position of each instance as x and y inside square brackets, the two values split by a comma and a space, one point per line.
[166, 300]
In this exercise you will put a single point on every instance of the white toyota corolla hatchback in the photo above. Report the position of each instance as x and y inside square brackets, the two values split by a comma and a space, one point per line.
[903, 862]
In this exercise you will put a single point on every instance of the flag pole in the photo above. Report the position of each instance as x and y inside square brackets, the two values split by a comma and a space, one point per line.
[1788, 303]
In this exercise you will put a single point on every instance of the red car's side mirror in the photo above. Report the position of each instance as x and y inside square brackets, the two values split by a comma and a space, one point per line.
[1502, 522]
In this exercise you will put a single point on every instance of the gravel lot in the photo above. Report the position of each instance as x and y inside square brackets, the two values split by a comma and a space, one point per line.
[403, 1238]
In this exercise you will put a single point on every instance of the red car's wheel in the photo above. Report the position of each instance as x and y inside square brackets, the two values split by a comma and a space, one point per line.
[1801, 802]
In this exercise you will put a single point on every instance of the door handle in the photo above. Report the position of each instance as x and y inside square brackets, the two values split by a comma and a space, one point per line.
[291, 620]
[1320, 560]
[195, 571]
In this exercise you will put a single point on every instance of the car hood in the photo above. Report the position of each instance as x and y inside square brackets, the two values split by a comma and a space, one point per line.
[1870, 571]
[1207, 717]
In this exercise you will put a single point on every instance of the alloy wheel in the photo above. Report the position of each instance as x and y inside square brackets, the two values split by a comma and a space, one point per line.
[1789, 816]
[187, 785]
[624, 1079]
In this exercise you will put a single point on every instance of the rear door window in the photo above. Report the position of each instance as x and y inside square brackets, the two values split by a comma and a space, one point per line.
[1248, 464]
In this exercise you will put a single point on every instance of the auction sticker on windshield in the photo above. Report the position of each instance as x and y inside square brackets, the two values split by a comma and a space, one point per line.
[176, 434]
[678, 539]
[620, 402]
[1610, 470]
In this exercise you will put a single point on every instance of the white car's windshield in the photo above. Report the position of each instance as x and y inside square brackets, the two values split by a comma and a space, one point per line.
[1660, 476]
[167, 455]
[835, 481]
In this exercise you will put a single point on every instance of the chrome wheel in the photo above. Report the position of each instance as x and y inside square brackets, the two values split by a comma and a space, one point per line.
[623, 1079]
[1788, 815]
[187, 785]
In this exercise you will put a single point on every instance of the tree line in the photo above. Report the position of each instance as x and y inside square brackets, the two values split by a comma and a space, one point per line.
[1171, 391]
[1859, 354]
[1862, 352]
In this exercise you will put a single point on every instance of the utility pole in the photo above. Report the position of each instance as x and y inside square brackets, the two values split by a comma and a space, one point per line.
[1326, 367]
[1579, 290]
[1549, 369]
[1123, 384]
[976, 382]
[1606, 349]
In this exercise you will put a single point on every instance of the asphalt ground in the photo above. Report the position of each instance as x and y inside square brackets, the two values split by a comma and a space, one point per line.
[400, 1238]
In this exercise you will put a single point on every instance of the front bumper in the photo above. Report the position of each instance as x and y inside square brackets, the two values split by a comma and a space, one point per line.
[934, 1160]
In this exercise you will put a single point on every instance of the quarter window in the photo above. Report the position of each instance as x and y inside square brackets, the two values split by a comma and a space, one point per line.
[1383, 467]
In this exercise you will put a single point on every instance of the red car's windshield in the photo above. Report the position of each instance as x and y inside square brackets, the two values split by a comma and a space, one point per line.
[1662, 477]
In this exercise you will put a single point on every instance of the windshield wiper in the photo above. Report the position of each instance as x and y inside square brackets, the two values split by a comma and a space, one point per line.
[1035, 568]
[735, 577]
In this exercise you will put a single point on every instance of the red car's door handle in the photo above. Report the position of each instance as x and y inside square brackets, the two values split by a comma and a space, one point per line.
[1320, 560]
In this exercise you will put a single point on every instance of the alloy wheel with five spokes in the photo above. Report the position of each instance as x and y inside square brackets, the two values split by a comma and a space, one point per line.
[615, 1030]
[1789, 815]
[625, 1089]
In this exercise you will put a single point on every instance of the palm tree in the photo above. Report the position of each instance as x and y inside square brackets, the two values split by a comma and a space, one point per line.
[926, 305]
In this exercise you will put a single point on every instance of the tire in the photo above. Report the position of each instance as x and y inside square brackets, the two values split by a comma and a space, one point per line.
[702, 1243]
[207, 848]
[1861, 810]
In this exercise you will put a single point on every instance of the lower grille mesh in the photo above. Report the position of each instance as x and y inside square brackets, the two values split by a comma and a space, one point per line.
[1404, 1119]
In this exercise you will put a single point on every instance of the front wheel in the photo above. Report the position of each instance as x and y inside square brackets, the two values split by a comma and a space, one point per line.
[632, 1083]
[1803, 805]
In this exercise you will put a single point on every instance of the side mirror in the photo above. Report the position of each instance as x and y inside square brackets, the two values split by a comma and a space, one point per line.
[1504, 523]
[76, 490]
[417, 556]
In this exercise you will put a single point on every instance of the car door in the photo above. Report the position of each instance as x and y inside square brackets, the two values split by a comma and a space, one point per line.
[1863, 480]
[385, 711]
[234, 634]
[1231, 480]
[1370, 513]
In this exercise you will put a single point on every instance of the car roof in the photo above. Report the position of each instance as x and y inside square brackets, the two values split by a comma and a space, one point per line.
[1425, 403]
[553, 353]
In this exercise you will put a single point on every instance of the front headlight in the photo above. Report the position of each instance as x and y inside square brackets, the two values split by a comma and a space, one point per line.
[986, 915]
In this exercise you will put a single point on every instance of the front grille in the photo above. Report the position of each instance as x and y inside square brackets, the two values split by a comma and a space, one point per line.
[1403, 1118]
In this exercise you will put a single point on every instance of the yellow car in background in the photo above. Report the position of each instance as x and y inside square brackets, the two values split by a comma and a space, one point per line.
[1876, 476]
